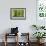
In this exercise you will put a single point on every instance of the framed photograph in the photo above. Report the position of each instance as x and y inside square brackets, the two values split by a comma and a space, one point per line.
[41, 8]
[18, 13]
[41, 12]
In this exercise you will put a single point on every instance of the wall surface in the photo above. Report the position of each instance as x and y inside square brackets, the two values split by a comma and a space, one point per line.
[23, 25]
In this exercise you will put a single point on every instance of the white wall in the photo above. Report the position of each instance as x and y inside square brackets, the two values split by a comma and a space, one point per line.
[24, 25]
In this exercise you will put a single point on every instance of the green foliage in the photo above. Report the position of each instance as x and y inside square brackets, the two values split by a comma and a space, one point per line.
[35, 27]
[40, 27]
[41, 14]
[39, 35]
